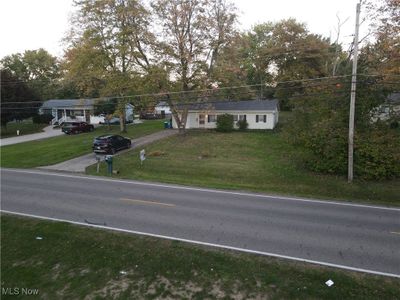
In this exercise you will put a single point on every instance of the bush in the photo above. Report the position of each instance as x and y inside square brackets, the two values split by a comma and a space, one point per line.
[225, 123]
[242, 124]
[42, 119]
[375, 153]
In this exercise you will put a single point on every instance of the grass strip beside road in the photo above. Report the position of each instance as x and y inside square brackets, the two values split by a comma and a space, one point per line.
[253, 161]
[24, 127]
[58, 149]
[73, 262]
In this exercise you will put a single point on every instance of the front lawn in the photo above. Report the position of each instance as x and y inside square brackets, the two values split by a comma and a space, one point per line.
[24, 127]
[254, 161]
[64, 261]
[57, 149]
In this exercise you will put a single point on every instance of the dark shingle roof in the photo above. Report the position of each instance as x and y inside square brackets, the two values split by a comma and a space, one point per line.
[68, 103]
[247, 105]
[394, 98]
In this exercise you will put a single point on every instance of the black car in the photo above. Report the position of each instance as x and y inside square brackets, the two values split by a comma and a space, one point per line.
[150, 116]
[76, 127]
[110, 144]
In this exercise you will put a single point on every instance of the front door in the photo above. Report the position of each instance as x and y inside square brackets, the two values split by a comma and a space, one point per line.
[87, 116]
[202, 120]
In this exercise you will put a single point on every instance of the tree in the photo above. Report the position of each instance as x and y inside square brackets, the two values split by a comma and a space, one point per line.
[284, 51]
[381, 56]
[195, 32]
[16, 99]
[110, 47]
[320, 113]
[107, 108]
[36, 68]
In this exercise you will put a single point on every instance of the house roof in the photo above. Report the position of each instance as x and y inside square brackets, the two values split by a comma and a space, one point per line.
[73, 103]
[394, 98]
[58, 103]
[246, 105]
[162, 104]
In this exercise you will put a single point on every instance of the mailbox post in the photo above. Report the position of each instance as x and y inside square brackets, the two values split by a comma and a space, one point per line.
[109, 161]
[142, 156]
[98, 159]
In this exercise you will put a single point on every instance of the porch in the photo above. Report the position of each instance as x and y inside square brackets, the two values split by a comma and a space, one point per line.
[62, 115]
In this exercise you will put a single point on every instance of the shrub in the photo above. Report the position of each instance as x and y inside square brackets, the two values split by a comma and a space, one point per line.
[42, 119]
[242, 124]
[375, 153]
[225, 123]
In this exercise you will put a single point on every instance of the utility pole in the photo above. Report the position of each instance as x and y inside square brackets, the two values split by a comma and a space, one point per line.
[353, 98]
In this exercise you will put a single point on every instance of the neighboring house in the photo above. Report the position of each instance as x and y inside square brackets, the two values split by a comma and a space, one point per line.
[162, 108]
[259, 114]
[69, 110]
[387, 110]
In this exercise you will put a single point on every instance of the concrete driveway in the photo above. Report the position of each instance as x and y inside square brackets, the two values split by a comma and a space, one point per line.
[79, 164]
[47, 133]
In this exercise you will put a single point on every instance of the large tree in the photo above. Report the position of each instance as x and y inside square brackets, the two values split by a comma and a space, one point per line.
[284, 51]
[109, 48]
[194, 34]
[17, 99]
[381, 55]
[320, 114]
[37, 69]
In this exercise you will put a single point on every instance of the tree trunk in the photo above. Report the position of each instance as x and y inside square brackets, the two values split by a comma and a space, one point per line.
[180, 119]
[122, 123]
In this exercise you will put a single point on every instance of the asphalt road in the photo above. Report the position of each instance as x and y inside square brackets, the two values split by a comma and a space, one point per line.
[355, 236]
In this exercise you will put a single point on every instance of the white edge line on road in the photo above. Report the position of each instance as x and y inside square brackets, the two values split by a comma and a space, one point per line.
[206, 244]
[203, 189]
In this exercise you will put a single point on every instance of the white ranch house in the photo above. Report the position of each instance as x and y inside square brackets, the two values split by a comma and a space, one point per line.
[259, 114]
[70, 110]
[389, 109]
[162, 108]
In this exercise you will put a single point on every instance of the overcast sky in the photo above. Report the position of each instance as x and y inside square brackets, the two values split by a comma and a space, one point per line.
[34, 24]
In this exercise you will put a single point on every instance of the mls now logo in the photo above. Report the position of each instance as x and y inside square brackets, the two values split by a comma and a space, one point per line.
[19, 291]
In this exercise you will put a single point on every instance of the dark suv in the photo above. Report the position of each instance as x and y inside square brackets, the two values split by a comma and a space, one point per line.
[110, 144]
[76, 127]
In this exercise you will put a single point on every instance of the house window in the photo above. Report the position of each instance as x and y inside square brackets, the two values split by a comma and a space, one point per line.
[201, 119]
[261, 118]
[242, 117]
[212, 118]
[235, 118]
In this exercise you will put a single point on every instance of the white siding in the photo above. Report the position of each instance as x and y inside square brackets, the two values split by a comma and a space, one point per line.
[96, 119]
[166, 109]
[272, 119]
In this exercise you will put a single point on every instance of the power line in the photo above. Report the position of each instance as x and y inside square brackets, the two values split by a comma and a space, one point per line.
[202, 90]
[275, 88]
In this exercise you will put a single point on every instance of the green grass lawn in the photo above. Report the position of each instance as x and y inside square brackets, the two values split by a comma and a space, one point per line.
[255, 161]
[72, 262]
[25, 127]
[57, 149]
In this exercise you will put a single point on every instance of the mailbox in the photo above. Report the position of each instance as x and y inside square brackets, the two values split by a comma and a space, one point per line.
[109, 161]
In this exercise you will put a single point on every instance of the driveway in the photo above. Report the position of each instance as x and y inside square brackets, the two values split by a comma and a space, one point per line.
[48, 132]
[79, 164]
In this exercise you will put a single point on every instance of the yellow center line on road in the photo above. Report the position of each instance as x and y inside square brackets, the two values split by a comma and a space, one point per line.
[147, 202]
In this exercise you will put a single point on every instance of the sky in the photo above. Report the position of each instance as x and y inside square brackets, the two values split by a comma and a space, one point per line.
[34, 24]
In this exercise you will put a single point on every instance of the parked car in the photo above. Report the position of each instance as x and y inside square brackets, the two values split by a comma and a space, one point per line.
[150, 116]
[110, 144]
[76, 127]
[112, 121]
